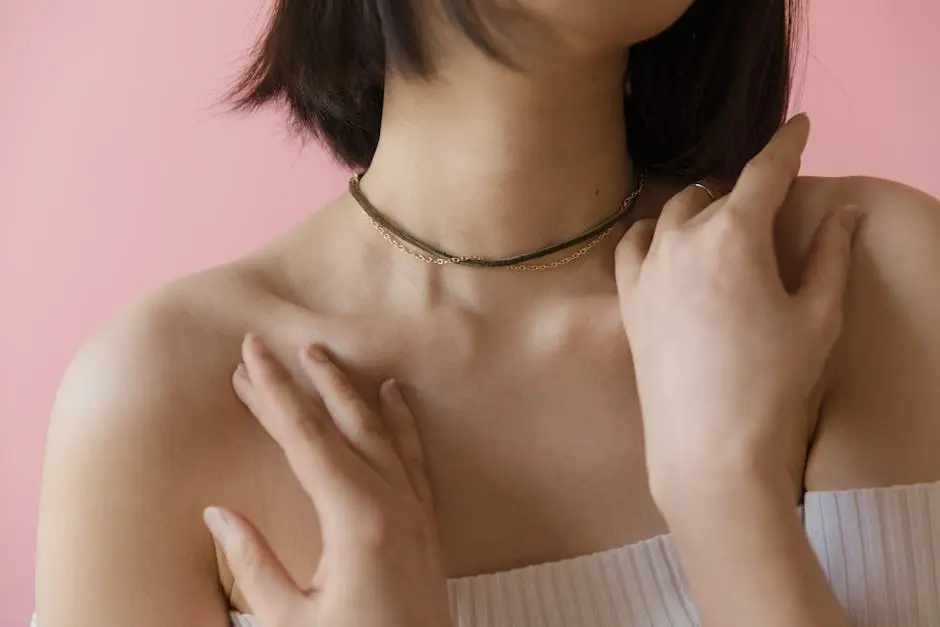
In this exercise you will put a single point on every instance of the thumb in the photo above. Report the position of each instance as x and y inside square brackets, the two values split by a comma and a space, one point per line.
[266, 585]
[827, 268]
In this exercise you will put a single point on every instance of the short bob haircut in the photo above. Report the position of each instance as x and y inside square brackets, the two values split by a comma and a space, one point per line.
[705, 95]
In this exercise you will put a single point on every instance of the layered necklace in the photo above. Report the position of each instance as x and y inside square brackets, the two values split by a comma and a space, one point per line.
[411, 245]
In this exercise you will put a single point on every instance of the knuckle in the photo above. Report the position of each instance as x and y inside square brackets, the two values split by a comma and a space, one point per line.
[367, 427]
[664, 233]
[342, 387]
[730, 225]
[376, 527]
[383, 527]
[670, 243]
[309, 427]
[728, 242]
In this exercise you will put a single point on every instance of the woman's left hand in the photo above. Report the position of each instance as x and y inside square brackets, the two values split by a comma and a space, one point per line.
[725, 358]
[724, 355]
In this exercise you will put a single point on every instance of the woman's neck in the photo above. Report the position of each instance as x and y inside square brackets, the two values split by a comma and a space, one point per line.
[490, 161]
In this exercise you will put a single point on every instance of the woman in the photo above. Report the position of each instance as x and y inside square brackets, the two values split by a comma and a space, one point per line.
[522, 382]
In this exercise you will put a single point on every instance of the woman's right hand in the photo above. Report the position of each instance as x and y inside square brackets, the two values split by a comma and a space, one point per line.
[381, 562]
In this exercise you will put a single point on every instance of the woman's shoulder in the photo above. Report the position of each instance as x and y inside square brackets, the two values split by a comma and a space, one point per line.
[880, 418]
[153, 384]
[173, 332]
[160, 370]
[145, 432]
[891, 211]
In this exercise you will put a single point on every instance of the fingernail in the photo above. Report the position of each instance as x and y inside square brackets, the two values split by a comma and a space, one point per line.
[254, 344]
[390, 388]
[218, 523]
[801, 114]
[850, 219]
[395, 393]
[316, 353]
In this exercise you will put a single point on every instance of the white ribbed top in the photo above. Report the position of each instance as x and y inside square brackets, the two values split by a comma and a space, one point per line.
[879, 547]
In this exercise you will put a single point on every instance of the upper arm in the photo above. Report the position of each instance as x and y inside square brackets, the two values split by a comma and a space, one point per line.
[120, 535]
[880, 422]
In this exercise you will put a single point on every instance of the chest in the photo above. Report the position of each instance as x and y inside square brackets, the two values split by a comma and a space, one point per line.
[528, 469]
[532, 433]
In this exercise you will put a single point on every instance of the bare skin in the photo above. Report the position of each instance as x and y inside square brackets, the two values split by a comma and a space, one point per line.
[521, 383]
[522, 434]
[705, 311]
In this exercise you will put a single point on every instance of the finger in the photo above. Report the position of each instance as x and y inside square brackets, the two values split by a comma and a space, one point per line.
[361, 426]
[685, 205]
[766, 179]
[401, 424]
[259, 574]
[317, 453]
[632, 250]
[267, 387]
[826, 273]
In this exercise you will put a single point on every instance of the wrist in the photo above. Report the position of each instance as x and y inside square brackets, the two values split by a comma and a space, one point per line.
[746, 555]
[688, 488]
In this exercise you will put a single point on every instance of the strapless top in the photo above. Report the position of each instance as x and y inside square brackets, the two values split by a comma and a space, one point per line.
[879, 547]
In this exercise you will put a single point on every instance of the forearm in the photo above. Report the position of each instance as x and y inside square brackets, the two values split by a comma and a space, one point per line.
[747, 558]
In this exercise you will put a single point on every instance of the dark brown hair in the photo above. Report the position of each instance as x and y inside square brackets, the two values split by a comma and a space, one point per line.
[704, 96]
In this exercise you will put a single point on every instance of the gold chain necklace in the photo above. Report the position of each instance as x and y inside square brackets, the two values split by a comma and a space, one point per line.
[414, 247]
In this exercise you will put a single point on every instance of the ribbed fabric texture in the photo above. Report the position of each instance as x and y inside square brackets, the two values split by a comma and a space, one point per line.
[640, 584]
[881, 551]
[879, 547]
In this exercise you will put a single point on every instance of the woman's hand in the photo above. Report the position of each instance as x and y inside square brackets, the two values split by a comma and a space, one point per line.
[381, 564]
[725, 357]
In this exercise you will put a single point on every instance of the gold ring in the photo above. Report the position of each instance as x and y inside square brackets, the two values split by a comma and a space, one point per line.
[703, 186]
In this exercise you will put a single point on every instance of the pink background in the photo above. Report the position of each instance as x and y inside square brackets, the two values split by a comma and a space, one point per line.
[118, 172]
